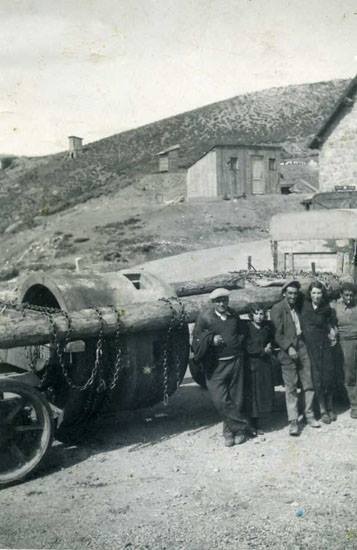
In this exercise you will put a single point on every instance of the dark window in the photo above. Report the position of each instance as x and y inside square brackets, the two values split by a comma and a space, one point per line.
[272, 164]
[233, 163]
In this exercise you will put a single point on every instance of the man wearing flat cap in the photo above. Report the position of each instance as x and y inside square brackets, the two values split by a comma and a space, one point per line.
[293, 356]
[217, 343]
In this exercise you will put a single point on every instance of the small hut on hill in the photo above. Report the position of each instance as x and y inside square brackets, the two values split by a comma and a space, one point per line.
[229, 171]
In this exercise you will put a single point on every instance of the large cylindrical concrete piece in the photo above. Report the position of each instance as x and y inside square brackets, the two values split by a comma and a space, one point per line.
[152, 363]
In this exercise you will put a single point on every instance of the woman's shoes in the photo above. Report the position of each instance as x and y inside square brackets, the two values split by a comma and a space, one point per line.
[332, 415]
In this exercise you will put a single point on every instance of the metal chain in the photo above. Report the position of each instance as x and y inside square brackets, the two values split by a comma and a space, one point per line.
[98, 363]
[59, 347]
[119, 352]
[32, 352]
[33, 355]
[52, 344]
[180, 320]
[176, 320]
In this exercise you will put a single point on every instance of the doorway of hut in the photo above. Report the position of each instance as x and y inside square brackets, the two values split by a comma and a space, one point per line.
[257, 170]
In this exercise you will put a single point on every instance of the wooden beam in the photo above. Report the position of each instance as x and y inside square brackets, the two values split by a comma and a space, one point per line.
[231, 281]
[33, 328]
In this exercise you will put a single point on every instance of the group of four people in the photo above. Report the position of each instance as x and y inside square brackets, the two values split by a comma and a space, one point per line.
[315, 340]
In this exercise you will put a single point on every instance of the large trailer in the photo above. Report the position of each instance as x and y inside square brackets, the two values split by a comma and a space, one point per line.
[74, 346]
[319, 240]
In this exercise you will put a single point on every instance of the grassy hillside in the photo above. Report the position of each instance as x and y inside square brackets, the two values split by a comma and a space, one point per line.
[131, 227]
[288, 115]
[41, 186]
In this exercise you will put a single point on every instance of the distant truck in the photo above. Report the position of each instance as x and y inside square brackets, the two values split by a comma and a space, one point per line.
[321, 240]
[344, 196]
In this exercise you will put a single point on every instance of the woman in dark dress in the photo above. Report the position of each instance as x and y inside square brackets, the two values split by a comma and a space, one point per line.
[319, 329]
[260, 380]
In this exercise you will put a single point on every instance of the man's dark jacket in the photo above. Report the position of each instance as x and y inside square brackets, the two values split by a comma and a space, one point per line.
[285, 330]
[202, 338]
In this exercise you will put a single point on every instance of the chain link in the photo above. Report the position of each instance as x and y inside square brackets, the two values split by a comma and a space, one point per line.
[33, 352]
[98, 363]
[178, 320]
[118, 366]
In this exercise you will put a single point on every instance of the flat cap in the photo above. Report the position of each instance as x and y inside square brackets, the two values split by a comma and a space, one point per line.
[293, 283]
[218, 293]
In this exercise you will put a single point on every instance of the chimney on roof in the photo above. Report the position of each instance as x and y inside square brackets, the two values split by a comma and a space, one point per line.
[75, 145]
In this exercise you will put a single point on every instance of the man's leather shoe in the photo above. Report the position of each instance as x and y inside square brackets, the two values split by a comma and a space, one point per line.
[312, 422]
[240, 438]
[325, 418]
[294, 428]
[228, 440]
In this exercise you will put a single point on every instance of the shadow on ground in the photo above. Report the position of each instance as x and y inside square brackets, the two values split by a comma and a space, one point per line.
[189, 411]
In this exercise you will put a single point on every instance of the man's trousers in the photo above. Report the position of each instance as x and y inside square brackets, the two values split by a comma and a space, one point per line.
[292, 372]
[225, 385]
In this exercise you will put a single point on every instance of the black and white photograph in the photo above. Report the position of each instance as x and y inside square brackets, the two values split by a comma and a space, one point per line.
[178, 276]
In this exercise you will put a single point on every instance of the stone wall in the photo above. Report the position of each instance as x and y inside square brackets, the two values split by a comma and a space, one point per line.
[338, 155]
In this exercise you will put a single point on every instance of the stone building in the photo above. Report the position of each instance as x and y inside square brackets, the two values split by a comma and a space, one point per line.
[230, 171]
[337, 142]
[75, 146]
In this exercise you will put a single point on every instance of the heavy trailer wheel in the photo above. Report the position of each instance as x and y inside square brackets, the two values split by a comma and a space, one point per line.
[197, 373]
[25, 430]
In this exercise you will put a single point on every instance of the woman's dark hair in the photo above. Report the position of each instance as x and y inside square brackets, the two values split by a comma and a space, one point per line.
[253, 308]
[348, 286]
[320, 286]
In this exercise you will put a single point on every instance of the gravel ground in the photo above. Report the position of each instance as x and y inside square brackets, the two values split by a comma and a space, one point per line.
[161, 479]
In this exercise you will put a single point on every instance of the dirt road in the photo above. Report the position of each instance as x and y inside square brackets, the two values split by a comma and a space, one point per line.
[161, 479]
[212, 261]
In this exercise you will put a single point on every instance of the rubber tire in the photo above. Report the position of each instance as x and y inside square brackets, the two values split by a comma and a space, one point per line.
[41, 405]
[197, 373]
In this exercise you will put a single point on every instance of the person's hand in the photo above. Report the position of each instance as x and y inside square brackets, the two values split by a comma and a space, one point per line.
[332, 336]
[217, 340]
[292, 353]
[268, 349]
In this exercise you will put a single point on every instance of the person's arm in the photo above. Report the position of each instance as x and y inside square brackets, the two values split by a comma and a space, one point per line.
[332, 327]
[202, 337]
[268, 348]
[276, 316]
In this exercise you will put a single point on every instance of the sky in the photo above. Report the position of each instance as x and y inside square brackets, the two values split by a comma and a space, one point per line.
[94, 68]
